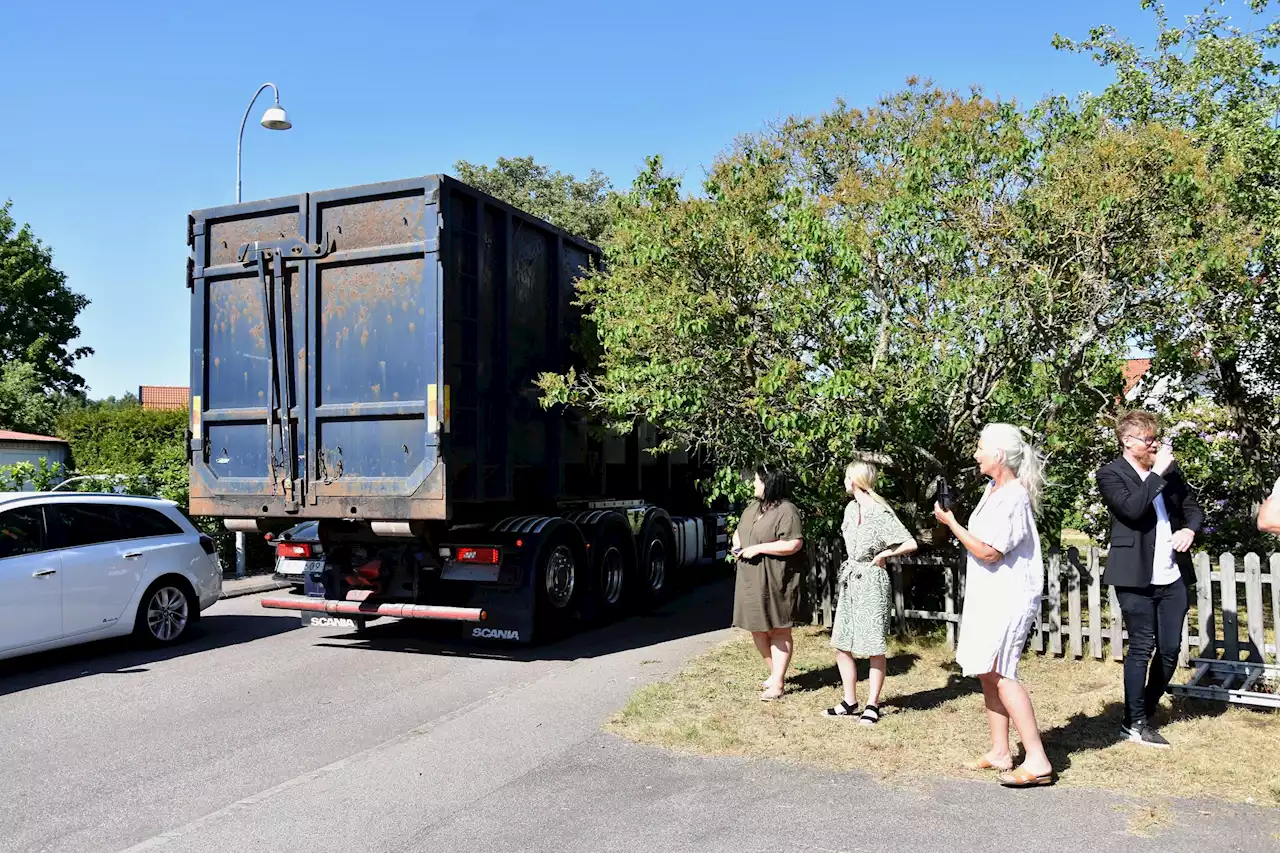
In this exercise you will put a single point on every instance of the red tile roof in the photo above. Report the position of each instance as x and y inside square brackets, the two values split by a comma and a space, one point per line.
[1134, 368]
[9, 435]
[164, 396]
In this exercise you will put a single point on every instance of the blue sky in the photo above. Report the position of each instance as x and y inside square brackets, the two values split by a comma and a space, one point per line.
[119, 119]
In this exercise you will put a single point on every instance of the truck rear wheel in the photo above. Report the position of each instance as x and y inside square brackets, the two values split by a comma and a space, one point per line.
[613, 568]
[559, 582]
[657, 562]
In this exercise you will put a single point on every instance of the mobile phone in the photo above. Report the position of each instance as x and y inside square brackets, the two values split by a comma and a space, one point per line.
[944, 494]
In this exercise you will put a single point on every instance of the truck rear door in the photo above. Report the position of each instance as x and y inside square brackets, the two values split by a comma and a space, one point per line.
[315, 353]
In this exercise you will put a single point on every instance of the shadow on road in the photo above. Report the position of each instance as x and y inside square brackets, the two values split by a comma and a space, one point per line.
[124, 656]
[708, 607]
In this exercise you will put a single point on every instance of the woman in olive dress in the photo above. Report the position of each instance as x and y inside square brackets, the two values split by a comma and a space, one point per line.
[769, 546]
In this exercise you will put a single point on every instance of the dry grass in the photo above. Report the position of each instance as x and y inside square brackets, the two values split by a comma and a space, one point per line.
[1145, 821]
[934, 721]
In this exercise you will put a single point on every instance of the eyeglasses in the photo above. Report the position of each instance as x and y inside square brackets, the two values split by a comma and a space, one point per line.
[1149, 441]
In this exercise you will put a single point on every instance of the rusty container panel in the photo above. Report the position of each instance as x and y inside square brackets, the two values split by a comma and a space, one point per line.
[315, 355]
[245, 384]
[508, 288]
[371, 352]
[375, 372]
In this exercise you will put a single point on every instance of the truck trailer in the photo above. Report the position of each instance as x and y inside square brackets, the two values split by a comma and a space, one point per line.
[365, 358]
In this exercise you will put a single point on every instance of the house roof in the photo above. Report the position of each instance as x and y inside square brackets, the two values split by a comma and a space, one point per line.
[164, 396]
[10, 435]
[1134, 368]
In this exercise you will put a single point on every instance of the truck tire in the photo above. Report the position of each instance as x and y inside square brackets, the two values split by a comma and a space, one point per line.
[613, 569]
[657, 555]
[560, 584]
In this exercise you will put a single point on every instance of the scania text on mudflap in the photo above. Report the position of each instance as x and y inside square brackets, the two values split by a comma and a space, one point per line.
[365, 358]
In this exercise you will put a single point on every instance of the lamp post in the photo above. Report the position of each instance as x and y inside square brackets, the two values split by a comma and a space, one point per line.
[274, 118]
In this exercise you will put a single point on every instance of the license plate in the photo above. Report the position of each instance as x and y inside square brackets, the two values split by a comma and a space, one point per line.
[300, 568]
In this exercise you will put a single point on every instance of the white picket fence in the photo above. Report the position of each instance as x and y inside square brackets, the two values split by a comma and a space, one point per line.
[1074, 620]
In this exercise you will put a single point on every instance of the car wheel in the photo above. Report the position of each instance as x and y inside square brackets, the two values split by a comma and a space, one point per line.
[165, 613]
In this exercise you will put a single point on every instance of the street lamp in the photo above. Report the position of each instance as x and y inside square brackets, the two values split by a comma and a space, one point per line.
[274, 118]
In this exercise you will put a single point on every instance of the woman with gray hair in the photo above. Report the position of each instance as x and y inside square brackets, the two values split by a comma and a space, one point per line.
[1004, 578]
[872, 534]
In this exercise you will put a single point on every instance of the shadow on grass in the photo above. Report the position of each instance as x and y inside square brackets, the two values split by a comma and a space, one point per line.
[816, 679]
[956, 687]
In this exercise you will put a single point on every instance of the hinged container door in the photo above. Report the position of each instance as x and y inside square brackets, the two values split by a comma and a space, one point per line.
[249, 281]
[374, 351]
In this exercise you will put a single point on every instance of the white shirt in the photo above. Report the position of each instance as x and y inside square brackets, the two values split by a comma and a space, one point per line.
[1163, 569]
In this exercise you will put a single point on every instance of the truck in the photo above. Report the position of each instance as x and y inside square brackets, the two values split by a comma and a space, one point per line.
[366, 358]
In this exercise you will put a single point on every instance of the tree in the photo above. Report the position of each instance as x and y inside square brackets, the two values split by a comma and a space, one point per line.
[25, 404]
[850, 283]
[885, 281]
[579, 207]
[1218, 85]
[37, 309]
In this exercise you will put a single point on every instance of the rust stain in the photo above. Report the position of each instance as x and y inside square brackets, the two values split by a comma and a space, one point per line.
[356, 294]
[235, 233]
[413, 327]
[217, 361]
[383, 222]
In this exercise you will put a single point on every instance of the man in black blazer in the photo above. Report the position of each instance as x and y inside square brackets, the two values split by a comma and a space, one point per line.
[1154, 520]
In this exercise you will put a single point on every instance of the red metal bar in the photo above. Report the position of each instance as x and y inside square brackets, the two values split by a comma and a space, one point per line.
[359, 608]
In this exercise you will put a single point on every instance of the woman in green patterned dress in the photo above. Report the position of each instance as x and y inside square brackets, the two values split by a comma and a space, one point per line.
[872, 534]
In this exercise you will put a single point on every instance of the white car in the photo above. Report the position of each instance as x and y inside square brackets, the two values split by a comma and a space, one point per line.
[75, 568]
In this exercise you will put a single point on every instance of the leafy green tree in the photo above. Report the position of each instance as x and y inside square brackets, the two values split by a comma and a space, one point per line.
[578, 206]
[25, 404]
[38, 310]
[1219, 85]
[883, 282]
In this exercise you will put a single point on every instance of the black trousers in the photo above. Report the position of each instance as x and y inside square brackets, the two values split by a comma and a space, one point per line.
[1153, 617]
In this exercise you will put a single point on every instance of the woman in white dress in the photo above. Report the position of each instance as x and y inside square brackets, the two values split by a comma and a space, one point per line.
[1004, 580]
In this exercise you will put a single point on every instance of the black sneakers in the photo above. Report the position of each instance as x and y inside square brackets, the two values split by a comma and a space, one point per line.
[1143, 734]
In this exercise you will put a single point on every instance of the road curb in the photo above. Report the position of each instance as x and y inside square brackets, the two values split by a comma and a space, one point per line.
[253, 589]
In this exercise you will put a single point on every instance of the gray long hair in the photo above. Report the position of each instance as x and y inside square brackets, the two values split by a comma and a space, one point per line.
[1026, 463]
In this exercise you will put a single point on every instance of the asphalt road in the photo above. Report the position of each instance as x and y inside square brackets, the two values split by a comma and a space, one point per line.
[261, 736]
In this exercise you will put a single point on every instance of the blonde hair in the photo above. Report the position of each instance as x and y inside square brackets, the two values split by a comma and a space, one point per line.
[1019, 456]
[863, 476]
